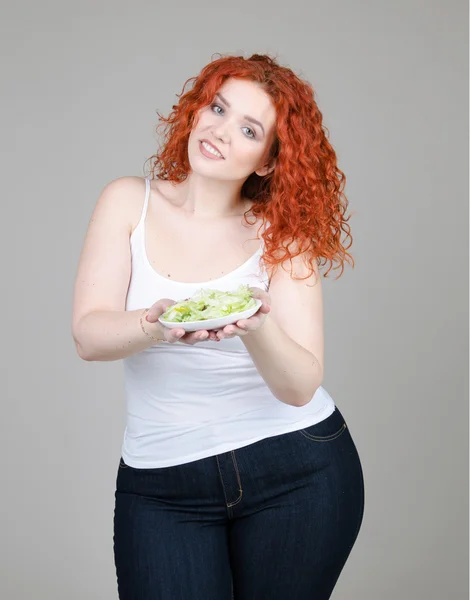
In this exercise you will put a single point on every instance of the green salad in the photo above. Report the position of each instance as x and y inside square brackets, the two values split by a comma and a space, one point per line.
[210, 304]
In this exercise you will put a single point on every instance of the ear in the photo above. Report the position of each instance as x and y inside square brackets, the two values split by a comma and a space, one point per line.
[268, 168]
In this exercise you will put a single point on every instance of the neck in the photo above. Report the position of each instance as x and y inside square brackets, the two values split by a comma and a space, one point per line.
[210, 198]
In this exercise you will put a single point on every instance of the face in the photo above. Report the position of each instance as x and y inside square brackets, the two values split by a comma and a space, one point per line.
[233, 135]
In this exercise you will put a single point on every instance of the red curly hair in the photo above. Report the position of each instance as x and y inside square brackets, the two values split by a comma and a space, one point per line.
[301, 202]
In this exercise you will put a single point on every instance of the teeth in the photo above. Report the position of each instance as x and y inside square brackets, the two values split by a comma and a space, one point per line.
[211, 150]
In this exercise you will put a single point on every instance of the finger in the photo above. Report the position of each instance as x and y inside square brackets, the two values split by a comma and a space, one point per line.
[265, 298]
[195, 337]
[225, 332]
[260, 295]
[239, 331]
[231, 331]
[235, 330]
[158, 309]
[248, 324]
[173, 335]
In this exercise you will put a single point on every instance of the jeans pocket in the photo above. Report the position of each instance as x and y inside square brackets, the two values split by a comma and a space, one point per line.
[327, 430]
[122, 464]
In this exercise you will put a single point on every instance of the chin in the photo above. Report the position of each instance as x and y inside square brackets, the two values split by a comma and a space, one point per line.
[206, 168]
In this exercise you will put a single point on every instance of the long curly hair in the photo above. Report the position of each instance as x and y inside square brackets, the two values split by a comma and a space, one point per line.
[301, 202]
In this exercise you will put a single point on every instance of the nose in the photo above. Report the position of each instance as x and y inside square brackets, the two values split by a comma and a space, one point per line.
[221, 133]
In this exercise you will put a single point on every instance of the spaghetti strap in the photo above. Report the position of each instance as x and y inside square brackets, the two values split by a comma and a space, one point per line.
[146, 202]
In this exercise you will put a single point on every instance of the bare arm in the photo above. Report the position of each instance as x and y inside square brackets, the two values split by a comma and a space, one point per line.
[106, 335]
[288, 347]
[292, 372]
[101, 327]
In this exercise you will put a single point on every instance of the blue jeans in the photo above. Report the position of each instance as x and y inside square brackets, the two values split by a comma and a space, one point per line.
[275, 520]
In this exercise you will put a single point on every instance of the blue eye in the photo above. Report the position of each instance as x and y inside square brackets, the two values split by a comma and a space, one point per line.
[215, 107]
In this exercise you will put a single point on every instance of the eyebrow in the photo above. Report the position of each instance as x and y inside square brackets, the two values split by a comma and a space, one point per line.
[248, 118]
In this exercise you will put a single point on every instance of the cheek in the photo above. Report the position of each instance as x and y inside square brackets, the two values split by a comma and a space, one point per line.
[249, 154]
[205, 120]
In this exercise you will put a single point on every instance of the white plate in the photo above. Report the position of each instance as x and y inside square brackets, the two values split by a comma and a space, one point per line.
[209, 324]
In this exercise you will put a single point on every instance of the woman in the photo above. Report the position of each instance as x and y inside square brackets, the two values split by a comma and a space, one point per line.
[238, 475]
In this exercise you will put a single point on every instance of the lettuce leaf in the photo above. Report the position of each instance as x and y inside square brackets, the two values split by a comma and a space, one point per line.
[210, 304]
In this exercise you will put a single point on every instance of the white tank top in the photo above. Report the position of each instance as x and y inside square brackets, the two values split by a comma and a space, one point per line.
[185, 402]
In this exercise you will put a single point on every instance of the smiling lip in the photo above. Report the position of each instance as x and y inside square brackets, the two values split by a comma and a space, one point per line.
[206, 153]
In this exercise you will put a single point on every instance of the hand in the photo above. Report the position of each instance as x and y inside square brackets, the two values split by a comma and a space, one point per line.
[177, 334]
[245, 326]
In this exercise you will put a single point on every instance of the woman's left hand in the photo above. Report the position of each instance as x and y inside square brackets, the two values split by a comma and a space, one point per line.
[245, 326]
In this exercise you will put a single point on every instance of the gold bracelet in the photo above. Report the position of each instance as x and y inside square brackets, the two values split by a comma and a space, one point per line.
[148, 334]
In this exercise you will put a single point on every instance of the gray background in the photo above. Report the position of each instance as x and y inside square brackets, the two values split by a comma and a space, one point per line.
[81, 83]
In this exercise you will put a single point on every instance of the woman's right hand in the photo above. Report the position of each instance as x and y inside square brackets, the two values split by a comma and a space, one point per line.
[177, 334]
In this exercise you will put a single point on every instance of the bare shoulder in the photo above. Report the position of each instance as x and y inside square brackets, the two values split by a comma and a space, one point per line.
[300, 271]
[104, 267]
[123, 198]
